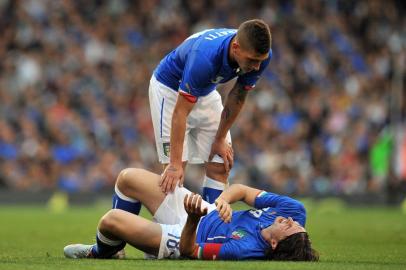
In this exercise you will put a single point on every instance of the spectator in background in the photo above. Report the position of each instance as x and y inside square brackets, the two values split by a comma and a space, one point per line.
[74, 82]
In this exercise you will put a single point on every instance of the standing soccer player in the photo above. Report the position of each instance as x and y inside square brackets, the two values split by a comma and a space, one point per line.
[189, 120]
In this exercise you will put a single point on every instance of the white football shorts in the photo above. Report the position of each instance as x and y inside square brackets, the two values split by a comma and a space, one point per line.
[201, 125]
[171, 216]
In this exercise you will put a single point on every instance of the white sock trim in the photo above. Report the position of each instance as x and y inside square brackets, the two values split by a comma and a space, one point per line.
[211, 183]
[122, 196]
[108, 241]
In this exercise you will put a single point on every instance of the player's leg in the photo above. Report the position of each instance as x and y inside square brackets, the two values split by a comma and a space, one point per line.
[121, 199]
[133, 188]
[216, 179]
[129, 181]
[162, 101]
[118, 225]
[137, 186]
[116, 228]
[160, 240]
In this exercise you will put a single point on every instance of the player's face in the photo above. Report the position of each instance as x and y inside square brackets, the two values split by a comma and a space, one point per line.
[248, 60]
[284, 227]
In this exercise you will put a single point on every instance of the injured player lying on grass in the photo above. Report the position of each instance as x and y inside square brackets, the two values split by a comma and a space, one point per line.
[185, 226]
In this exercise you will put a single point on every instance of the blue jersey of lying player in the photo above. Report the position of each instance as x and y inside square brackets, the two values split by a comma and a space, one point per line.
[201, 62]
[242, 238]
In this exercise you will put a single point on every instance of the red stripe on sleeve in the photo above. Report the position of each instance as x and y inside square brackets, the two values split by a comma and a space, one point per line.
[188, 97]
[211, 251]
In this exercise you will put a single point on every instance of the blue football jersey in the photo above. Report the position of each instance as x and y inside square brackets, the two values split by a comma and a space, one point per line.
[201, 62]
[242, 239]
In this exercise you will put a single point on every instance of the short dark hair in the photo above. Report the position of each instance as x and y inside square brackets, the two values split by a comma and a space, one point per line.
[255, 35]
[296, 247]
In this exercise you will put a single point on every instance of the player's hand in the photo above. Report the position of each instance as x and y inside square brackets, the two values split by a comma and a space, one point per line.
[172, 175]
[224, 150]
[224, 209]
[193, 206]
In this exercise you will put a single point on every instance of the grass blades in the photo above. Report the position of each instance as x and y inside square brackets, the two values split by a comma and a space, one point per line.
[32, 237]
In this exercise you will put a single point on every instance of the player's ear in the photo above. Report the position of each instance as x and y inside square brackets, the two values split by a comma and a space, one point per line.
[235, 45]
[274, 243]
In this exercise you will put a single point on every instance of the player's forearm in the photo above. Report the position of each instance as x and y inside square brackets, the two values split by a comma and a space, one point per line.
[178, 128]
[238, 192]
[188, 246]
[234, 103]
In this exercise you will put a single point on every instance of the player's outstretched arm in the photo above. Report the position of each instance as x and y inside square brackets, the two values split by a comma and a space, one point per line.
[192, 204]
[173, 173]
[234, 103]
[238, 192]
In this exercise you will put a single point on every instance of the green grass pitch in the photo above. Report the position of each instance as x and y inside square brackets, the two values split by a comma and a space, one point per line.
[32, 237]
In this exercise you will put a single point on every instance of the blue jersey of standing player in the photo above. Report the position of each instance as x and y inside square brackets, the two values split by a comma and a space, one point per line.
[242, 239]
[201, 62]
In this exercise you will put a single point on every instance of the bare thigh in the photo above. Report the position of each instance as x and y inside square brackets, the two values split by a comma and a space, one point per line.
[141, 185]
[216, 171]
[135, 230]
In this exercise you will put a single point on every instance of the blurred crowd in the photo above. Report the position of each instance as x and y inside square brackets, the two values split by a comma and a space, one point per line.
[74, 79]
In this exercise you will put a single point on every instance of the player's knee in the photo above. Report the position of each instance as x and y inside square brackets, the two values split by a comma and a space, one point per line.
[110, 221]
[217, 172]
[122, 178]
[127, 179]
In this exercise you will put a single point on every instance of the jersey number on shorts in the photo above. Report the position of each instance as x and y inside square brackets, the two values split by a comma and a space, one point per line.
[173, 242]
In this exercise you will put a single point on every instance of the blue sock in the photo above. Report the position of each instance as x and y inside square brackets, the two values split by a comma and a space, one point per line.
[120, 201]
[105, 248]
[210, 194]
[211, 189]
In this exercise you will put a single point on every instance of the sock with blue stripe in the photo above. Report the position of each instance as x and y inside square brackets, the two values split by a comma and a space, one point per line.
[121, 201]
[105, 247]
[212, 189]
